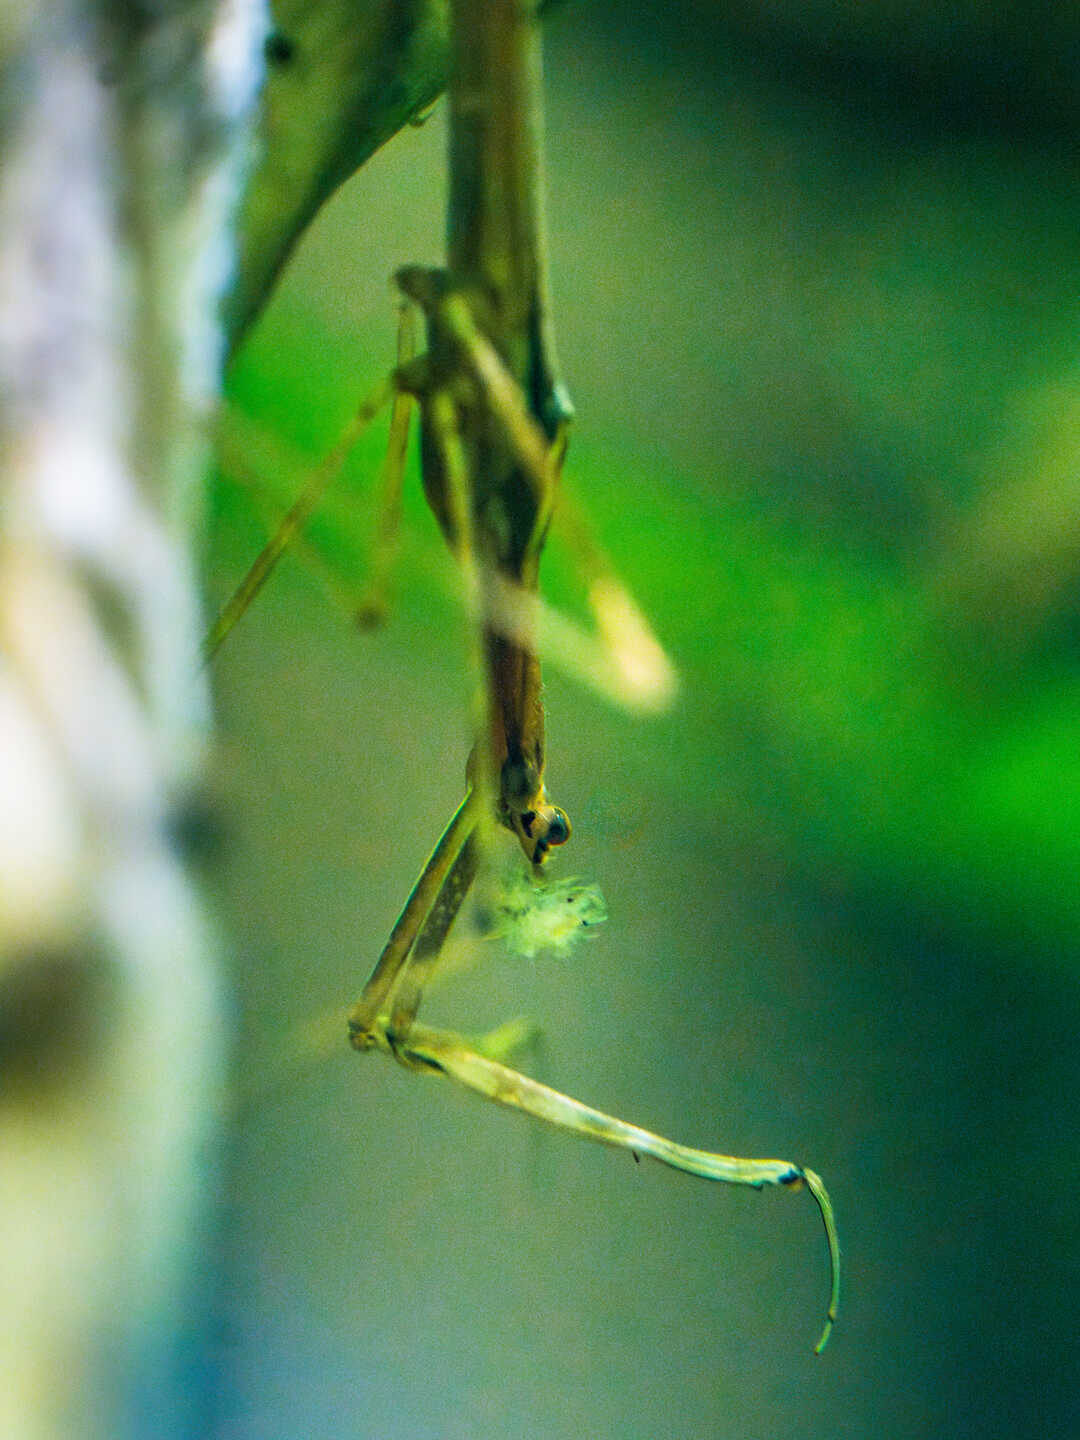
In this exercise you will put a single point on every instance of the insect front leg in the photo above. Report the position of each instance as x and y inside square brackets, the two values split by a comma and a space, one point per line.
[428, 946]
[367, 1019]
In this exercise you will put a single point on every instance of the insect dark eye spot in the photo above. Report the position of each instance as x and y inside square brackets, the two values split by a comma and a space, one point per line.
[558, 828]
[278, 48]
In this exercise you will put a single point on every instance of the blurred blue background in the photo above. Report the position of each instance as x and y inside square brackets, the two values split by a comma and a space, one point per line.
[815, 276]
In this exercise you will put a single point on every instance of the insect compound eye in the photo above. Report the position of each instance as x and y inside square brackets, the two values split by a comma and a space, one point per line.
[558, 832]
[538, 830]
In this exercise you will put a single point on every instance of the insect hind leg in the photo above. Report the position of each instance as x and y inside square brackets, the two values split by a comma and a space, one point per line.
[374, 605]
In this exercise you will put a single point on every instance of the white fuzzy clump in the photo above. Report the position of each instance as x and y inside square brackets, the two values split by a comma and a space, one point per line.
[532, 915]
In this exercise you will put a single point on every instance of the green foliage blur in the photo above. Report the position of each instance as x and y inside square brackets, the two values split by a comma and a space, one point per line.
[817, 302]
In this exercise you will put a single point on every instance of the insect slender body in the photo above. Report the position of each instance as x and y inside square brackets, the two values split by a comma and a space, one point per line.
[494, 418]
[495, 515]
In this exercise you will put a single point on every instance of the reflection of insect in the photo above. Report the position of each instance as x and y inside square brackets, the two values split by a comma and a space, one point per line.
[493, 436]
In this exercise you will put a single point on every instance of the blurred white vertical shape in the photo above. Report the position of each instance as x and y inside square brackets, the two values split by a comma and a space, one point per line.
[121, 153]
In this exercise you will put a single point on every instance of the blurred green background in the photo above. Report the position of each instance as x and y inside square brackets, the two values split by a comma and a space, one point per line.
[816, 284]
